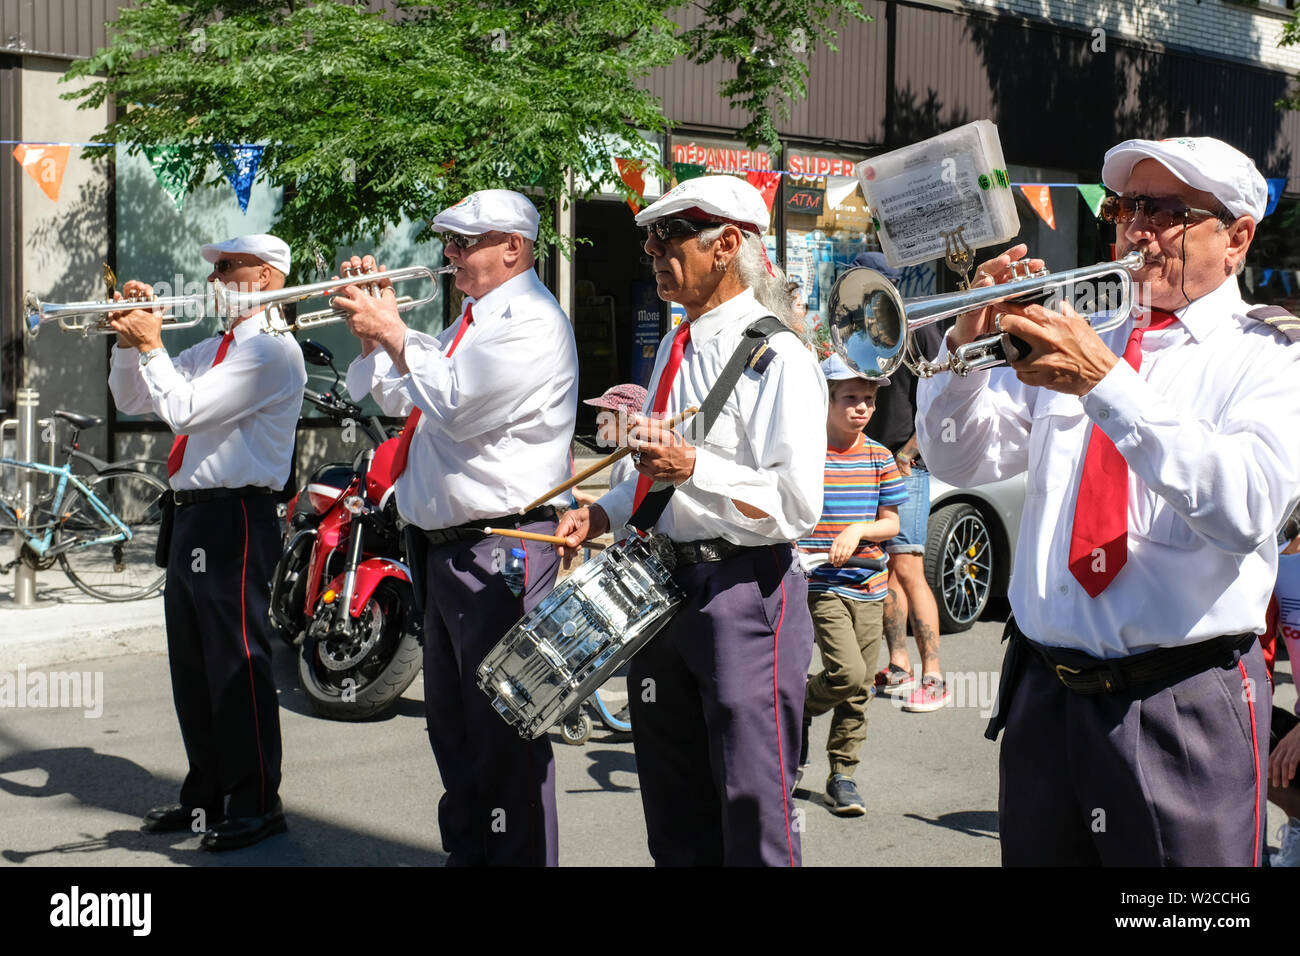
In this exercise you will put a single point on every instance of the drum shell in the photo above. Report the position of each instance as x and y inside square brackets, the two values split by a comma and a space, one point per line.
[556, 656]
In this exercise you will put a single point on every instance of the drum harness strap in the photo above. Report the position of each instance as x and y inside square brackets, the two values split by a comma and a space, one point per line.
[753, 352]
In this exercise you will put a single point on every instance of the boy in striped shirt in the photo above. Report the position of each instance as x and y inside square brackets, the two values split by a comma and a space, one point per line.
[860, 509]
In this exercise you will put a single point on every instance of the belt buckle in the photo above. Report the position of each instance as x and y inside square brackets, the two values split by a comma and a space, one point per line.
[1061, 677]
[176, 499]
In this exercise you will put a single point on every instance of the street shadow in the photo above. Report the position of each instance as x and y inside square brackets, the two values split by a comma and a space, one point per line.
[974, 823]
[604, 764]
[112, 783]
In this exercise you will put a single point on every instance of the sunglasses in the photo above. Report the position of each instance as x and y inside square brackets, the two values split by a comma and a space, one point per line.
[665, 229]
[462, 242]
[222, 266]
[1160, 213]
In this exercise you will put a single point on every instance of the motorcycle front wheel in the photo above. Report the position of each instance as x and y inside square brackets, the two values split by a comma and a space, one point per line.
[360, 676]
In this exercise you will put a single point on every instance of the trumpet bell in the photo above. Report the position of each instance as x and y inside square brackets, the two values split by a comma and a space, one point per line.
[867, 322]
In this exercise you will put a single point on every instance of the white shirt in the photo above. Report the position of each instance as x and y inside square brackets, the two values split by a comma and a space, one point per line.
[497, 417]
[241, 416]
[1210, 428]
[766, 449]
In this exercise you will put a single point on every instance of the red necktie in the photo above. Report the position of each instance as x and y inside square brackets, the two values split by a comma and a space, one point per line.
[662, 391]
[408, 430]
[1099, 539]
[177, 454]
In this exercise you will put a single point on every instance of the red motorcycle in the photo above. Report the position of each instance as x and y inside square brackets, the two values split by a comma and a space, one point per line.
[343, 590]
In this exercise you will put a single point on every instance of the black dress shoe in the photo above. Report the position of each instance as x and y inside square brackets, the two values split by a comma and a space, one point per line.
[171, 818]
[236, 832]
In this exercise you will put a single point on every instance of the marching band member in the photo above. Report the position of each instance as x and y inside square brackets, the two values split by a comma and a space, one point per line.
[717, 696]
[233, 401]
[492, 402]
[1134, 695]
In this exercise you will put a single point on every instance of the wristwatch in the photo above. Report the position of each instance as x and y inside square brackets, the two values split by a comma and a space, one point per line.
[147, 357]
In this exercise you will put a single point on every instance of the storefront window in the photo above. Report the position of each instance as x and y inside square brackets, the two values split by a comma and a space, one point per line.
[826, 224]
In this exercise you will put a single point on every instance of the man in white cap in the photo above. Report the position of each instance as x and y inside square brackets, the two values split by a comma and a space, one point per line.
[717, 695]
[233, 401]
[491, 404]
[1160, 459]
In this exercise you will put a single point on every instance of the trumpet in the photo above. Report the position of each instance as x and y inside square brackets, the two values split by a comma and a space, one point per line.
[871, 323]
[66, 314]
[239, 303]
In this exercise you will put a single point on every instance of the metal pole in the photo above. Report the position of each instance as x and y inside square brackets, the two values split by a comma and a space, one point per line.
[25, 577]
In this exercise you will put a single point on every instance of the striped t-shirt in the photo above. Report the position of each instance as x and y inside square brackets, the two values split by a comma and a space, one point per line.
[858, 481]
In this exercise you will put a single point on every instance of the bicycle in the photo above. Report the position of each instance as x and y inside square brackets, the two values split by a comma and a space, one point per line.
[102, 529]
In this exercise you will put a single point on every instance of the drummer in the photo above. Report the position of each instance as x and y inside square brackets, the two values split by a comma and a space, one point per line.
[491, 404]
[717, 696]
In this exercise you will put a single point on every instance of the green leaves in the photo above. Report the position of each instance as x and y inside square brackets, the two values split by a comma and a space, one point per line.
[369, 117]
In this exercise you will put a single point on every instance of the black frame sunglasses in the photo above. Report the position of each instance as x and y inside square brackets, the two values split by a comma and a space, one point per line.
[1160, 212]
[665, 229]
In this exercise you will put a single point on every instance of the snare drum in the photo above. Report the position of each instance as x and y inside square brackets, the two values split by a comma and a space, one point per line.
[581, 633]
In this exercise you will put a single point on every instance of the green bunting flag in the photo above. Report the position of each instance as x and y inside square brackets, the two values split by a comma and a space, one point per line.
[171, 166]
[1093, 195]
[685, 171]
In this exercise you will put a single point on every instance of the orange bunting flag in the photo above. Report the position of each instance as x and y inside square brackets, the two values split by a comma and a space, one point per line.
[1040, 197]
[766, 183]
[632, 172]
[45, 164]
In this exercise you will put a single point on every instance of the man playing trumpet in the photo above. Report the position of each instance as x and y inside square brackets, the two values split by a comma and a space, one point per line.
[233, 401]
[1160, 459]
[491, 404]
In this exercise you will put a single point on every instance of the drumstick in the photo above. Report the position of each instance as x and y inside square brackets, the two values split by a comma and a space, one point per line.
[533, 536]
[603, 463]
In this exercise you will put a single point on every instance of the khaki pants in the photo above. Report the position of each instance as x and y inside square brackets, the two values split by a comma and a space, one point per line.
[849, 636]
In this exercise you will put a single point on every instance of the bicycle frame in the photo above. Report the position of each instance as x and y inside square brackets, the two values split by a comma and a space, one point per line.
[44, 545]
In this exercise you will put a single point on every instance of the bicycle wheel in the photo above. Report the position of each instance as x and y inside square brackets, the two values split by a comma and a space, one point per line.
[121, 570]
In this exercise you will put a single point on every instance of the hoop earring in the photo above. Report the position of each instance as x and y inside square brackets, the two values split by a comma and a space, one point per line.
[719, 265]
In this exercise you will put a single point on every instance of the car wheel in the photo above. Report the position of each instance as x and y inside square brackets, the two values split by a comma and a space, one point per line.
[959, 565]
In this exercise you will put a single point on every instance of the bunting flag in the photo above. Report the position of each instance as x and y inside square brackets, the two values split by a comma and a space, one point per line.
[765, 182]
[1275, 189]
[1093, 194]
[1040, 197]
[45, 163]
[632, 172]
[171, 167]
[685, 171]
[240, 164]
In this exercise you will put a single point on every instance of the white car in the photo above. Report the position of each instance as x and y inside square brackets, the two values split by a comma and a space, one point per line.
[970, 546]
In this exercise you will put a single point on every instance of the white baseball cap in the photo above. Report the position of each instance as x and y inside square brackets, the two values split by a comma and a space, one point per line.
[274, 252]
[836, 369]
[490, 210]
[720, 198]
[1202, 162]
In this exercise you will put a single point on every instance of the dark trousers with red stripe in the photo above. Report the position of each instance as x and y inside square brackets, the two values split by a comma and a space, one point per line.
[499, 804]
[717, 708]
[219, 566]
[1171, 775]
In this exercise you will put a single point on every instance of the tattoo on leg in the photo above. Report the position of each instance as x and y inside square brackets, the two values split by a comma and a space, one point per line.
[895, 625]
[927, 643]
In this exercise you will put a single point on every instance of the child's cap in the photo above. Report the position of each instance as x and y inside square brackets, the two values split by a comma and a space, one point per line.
[835, 369]
[628, 398]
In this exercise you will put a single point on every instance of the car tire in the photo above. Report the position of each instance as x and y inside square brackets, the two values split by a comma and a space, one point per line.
[960, 565]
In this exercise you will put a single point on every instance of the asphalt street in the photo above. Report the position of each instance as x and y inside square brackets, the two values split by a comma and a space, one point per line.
[73, 785]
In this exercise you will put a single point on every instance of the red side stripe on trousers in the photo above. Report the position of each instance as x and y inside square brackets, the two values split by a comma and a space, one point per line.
[1254, 746]
[252, 685]
[776, 707]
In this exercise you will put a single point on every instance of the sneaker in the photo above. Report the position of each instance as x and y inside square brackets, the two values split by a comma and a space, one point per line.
[893, 681]
[1289, 853]
[843, 797]
[931, 695]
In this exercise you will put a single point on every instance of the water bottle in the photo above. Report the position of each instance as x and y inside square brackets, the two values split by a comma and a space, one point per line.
[513, 571]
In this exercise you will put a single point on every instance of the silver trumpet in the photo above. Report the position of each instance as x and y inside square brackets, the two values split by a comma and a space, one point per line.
[870, 322]
[91, 318]
[240, 303]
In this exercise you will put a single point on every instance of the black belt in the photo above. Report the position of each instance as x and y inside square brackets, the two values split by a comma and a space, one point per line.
[473, 530]
[703, 552]
[211, 494]
[1086, 674]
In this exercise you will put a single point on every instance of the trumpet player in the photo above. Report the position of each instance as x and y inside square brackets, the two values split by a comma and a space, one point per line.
[233, 401]
[1160, 459]
[491, 404]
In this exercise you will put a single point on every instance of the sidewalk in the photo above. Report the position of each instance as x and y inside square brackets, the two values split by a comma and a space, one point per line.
[68, 625]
